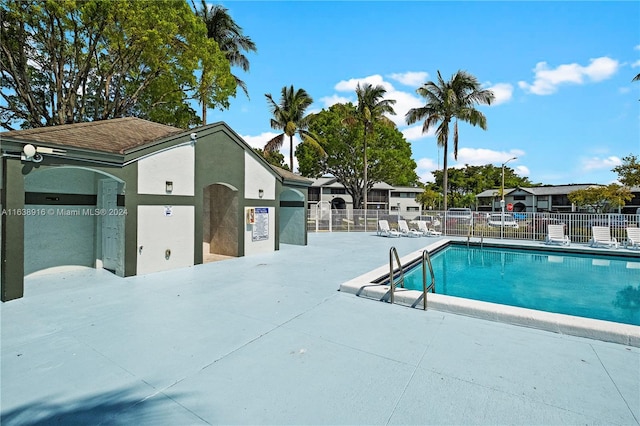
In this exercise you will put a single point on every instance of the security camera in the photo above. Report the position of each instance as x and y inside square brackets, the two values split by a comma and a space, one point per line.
[194, 136]
[36, 158]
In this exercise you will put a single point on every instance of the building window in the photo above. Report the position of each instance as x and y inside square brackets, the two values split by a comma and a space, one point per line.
[413, 209]
[338, 191]
[560, 200]
[519, 197]
[314, 194]
[377, 196]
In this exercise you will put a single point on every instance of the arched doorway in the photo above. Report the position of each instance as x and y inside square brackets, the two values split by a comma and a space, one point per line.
[78, 224]
[219, 222]
[519, 207]
[338, 204]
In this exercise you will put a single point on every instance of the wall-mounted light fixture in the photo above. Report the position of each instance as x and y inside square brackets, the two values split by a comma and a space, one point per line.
[30, 153]
[168, 186]
[260, 193]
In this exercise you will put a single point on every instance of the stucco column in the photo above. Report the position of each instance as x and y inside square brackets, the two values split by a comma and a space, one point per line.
[12, 286]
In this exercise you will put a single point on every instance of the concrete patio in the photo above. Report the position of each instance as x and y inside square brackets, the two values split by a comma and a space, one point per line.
[268, 339]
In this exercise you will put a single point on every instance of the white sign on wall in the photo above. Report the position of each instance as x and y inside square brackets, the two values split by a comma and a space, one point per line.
[260, 230]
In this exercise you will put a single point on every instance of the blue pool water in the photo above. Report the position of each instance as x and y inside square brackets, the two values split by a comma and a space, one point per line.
[606, 288]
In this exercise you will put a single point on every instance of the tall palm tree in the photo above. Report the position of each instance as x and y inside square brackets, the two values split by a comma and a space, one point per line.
[370, 109]
[446, 102]
[288, 116]
[231, 41]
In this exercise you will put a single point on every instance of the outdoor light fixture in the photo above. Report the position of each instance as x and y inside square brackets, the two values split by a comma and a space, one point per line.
[260, 193]
[169, 186]
[30, 153]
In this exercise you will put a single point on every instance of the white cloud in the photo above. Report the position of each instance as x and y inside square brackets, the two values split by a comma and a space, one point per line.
[596, 163]
[327, 101]
[502, 91]
[482, 156]
[404, 100]
[636, 64]
[411, 78]
[522, 170]
[637, 47]
[260, 140]
[351, 84]
[424, 168]
[414, 133]
[547, 80]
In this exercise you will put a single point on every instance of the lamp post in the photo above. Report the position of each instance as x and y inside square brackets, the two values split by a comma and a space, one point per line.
[502, 199]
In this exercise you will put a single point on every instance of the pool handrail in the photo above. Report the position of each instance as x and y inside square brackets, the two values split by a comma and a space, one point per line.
[392, 283]
[426, 262]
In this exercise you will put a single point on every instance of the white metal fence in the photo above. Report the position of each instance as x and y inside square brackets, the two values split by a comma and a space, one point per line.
[529, 226]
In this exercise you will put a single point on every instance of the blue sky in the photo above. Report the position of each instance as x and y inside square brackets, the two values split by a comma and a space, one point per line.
[561, 72]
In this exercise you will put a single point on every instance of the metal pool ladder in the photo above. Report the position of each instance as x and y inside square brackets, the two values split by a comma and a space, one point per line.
[426, 262]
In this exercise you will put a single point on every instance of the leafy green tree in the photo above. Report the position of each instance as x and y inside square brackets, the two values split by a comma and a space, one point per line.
[66, 61]
[446, 102]
[289, 116]
[601, 198]
[371, 107]
[274, 158]
[389, 153]
[629, 171]
[465, 183]
[232, 42]
[429, 199]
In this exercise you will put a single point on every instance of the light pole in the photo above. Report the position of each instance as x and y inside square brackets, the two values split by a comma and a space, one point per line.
[502, 198]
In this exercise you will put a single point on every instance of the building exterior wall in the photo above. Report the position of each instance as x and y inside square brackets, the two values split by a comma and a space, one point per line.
[175, 165]
[258, 178]
[165, 238]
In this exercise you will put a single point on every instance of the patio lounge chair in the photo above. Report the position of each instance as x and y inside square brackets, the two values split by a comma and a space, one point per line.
[405, 231]
[426, 231]
[633, 238]
[555, 234]
[385, 230]
[601, 235]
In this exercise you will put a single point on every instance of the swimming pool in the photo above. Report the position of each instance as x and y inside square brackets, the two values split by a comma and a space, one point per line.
[591, 286]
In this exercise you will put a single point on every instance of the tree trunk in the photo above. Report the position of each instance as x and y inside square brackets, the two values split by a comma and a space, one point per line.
[291, 152]
[364, 185]
[445, 180]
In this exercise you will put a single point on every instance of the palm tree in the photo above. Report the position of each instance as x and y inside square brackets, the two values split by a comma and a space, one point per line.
[370, 109]
[448, 101]
[224, 30]
[636, 78]
[288, 116]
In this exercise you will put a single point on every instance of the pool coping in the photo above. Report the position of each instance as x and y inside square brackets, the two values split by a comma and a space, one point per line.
[366, 286]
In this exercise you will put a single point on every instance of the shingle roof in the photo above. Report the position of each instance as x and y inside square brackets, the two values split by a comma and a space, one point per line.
[539, 190]
[286, 174]
[114, 136]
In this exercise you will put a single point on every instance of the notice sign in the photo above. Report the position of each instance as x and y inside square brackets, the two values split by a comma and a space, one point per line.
[261, 225]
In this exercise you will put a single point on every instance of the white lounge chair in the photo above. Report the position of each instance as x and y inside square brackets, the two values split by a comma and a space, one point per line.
[405, 231]
[385, 230]
[633, 238]
[601, 236]
[426, 231]
[555, 234]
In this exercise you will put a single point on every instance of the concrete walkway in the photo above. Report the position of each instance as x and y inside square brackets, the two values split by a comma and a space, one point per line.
[268, 339]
